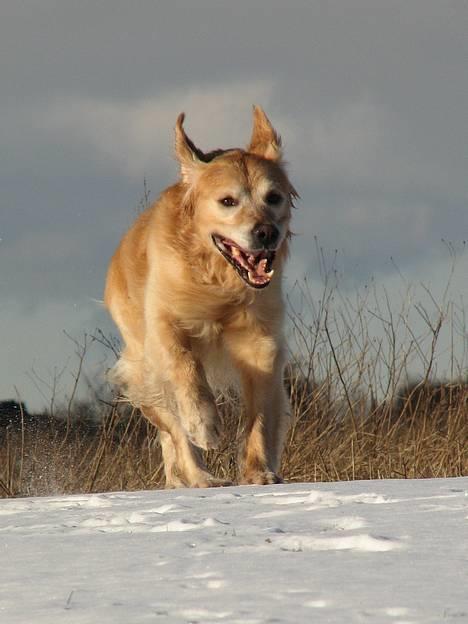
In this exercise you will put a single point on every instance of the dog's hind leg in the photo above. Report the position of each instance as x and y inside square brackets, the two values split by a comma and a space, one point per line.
[183, 464]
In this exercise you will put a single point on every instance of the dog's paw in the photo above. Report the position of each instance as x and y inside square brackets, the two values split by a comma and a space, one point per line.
[207, 480]
[257, 477]
[174, 483]
[203, 425]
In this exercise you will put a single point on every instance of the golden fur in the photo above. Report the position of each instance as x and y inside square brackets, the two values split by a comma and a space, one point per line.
[190, 323]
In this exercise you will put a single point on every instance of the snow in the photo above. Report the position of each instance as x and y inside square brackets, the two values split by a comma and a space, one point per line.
[394, 552]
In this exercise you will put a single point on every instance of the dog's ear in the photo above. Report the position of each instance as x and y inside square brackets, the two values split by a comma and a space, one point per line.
[191, 158]
[265, 141]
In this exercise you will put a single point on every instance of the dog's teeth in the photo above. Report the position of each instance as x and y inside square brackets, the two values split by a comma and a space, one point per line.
[260, 279]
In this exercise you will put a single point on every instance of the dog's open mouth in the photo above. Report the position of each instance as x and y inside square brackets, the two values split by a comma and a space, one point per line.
[254, 267]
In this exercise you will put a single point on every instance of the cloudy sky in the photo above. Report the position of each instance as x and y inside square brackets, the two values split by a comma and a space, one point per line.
[371, 98]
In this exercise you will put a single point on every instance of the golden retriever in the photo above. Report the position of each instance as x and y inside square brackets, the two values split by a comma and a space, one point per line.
[195, 288]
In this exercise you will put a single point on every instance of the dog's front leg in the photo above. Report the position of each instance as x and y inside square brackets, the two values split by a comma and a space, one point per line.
[183, 464]
[167, 351]
[260, 362]
[268, 418]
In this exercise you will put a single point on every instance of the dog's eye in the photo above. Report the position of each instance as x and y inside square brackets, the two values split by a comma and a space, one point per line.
[228, 201]
[273, 198]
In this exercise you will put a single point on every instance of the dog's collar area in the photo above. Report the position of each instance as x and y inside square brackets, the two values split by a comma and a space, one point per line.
[254, 267]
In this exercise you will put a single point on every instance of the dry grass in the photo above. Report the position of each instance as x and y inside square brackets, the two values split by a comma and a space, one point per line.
[424, 435]
[355, 415]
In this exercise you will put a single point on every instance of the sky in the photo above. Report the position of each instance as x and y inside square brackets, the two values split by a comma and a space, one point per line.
[370, 97]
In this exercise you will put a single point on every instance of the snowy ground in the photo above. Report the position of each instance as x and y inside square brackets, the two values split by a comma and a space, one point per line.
[373, 551]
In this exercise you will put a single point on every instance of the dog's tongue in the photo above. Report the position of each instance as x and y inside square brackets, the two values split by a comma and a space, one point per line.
[254, 264]
[258, 273]
[260, 267]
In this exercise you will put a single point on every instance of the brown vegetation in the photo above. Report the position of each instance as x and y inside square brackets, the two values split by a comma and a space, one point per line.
[355, 414]
[423, 435]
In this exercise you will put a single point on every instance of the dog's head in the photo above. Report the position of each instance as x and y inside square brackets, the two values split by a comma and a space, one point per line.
[239, 201]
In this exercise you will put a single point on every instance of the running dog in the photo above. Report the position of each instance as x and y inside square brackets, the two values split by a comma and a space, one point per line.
[195, 288]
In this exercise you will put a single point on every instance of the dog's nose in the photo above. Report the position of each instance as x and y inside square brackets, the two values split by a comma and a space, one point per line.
[265, 235]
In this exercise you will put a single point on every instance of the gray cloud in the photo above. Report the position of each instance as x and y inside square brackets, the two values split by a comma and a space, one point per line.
[370, 98]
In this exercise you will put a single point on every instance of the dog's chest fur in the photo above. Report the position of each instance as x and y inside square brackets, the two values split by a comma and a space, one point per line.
[208, 346]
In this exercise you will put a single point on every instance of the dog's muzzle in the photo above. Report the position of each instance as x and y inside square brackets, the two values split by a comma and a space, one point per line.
[254, 267]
